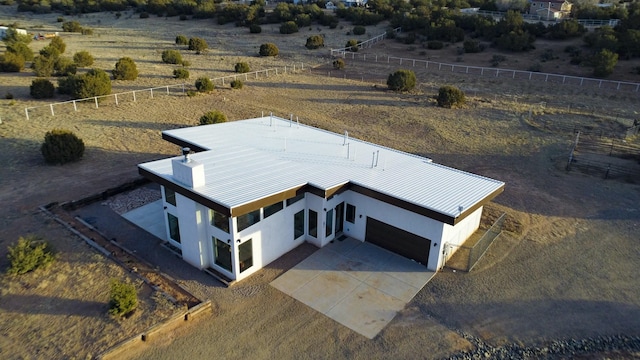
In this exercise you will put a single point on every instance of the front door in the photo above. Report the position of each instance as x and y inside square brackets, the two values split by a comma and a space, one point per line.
[339, 217]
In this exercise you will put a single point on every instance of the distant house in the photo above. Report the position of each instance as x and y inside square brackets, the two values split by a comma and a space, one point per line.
[550, 9]
[4, 29]
[257, 188]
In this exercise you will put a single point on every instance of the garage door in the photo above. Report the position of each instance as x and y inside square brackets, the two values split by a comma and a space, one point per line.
[397, 240]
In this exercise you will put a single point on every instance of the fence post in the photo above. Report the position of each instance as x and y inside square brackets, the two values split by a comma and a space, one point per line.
[222, 81]
[26, 112]
[51, 107]
[183, 88]
[530, 74]
[301, 66]
[167, 89]
[276, 71]
[116, 96]
[151, 92]
[514, 75]
[75, 108]
[134, 95]
[95, 99]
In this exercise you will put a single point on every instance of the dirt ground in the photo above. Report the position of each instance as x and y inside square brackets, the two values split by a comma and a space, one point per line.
[571, 271]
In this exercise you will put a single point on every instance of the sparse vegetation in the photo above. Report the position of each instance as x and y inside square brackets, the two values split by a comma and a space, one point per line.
[255, 29]
[171, 57]
[61, 147]
[359, 30]
[198, 45]
[268, 49]
[83, 58]
[213, 117]
[237, 84]
[604, 62]
[123, 298]
[42, 89]
[289, 27]
[315, 42]
[10, 62]
[28, 254]
[450, 96]
[71, 26]
[125, 69]
[352, 44]
[338, 64]
[95, 82]
[21, 49]
[242, 67]
[64, 66]
[182, 40]
[435, 45]
[402, 80]
[204, 84]
[181, 73]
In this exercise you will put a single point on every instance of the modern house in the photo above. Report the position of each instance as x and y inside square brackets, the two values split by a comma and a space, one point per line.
[550, 9]
[255, 189]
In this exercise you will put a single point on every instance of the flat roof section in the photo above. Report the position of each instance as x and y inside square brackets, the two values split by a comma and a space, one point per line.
[249, 160]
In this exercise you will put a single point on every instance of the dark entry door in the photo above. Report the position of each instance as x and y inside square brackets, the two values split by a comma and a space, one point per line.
[397, 240]
[339, 217]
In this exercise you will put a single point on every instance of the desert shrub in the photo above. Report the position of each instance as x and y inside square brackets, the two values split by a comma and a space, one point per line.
[171, 57]
[42, 89]
[8, 96]
[191, 93]
[255, 29]
[391, 34]
[125, 69]
[450, 96]
[213, 117]
[359, 30]
[338, 64]
[314, 42]
[535, 67]
[198, 45]
[472, 46]
[183, 17]
[20, 48]
[242, 67]
[289, 27]
[123, 298]
[548, 55]
[144, 15]
[302, 20]
[43, 66]
[86, 31]
[28, 254]
[50, 52]
[435, 45]
[10, 62]
[95, 82]
[83, 58]
[268, 49]
[58, 44]
[64, 66]
[603, 62]
[61, 147]
[59, 19]
[497, 59]
[186, 63]
[352, 45]
[71, 26]
[181, 73]
[182, 40]
[204, 84]
[237, 84]
[402, 80]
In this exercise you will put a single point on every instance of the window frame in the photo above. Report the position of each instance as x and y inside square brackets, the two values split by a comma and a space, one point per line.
[298, 229]
[247, 262]
[350, 213]
[267, 210]
[312, 227]
[216, 253]
[328, 227]
[174, 230]
[253, 218]
[295, 199]
[170, 196]
[220, 219]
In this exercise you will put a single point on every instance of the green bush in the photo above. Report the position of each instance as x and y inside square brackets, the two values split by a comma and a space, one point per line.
[255, 29]
[204, 84]
[43, 66]
[59, 19]
[315, 42]
[125, 69]
[497, 59]
[28, 254]
[359, 30]
[61, 147]
[450, 96]
[64, 66]
[338, 64]
[603, 63]
[20, 48]
[86, 31]
[268, 49]
[435, 45]
[289, 27]
[213, 117]
[144, 15]
[42, 89]
[95, 82]
[352, 45]
[198, 45]
[123, 298]
[402, 80]
[83, 59]
[236, 84]
[182, 40]
[10, 62]
[472, 46]
[49, 51]
[242, 67]
[181, 73]
[58, 44]
[71, 26]
[171, 57]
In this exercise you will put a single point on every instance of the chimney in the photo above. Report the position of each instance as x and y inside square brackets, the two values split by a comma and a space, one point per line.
[188, 171]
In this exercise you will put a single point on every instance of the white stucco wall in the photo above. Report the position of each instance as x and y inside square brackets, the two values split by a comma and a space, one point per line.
[458, 234]
[193, 231]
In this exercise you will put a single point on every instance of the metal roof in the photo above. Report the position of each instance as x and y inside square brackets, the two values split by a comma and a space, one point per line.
[251, 159]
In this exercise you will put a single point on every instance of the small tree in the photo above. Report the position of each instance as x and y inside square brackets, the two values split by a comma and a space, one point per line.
[237, 84]
[182, 40]
[71, 26]
[255, 29]
[83, 59]
[171, 57]
[58, 44]
[43, 65]
[42, 89]
[213, 117]
[402, 80]
[242, 67]
[22, 49]
[268, 49]
[123, 298]
[181, 73]
[61, 147]
[315, 42]
[95, 82]
[289, 27]
[204, 84]
[338, 64]
[125, 69]
[472, 46]
[352, 45]
[64, 67]
[10, 62]
[450, 96]
[28, 254]
[359, 30]
[604, 62]
[198, 45]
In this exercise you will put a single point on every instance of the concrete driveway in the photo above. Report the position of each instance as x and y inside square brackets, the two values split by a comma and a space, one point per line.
[358, 284]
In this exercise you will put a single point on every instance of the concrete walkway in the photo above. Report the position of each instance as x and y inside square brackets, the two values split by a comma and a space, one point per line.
[150, 218]
[357, 284]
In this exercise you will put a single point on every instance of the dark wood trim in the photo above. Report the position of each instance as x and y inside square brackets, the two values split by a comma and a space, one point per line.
[185, 192]
[269, 200]
[475, 207]
[183, 143]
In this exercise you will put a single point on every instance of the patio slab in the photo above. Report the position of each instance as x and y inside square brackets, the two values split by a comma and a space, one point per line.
[149, 217]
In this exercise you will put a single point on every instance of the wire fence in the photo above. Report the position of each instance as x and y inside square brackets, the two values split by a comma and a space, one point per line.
[609, 158]
[151, 93]
[364, 44]
[466, 257]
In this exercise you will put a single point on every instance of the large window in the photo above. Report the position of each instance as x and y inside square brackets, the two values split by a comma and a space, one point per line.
[174, 228]
[219, 220]
[170, 196]
[351, 213]
[298, 224]
[222, 253]
[246, 255]
[246, 220]
[313, 223]
[329, 223]
[272, 209]
[295, 199]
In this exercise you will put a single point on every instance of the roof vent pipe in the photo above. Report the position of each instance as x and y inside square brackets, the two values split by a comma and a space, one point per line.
[373, 159]
[270, 119]
[346, 137]
[298, 121]
[290, 120]
[377, 157]
[185, 153]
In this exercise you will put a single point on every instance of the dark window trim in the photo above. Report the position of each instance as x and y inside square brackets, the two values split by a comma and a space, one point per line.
[348, 218]
[272, 206]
